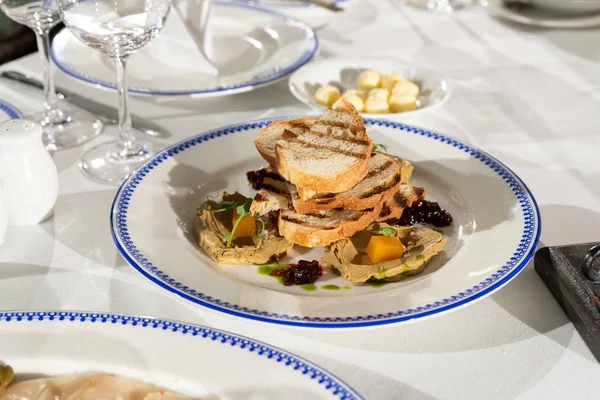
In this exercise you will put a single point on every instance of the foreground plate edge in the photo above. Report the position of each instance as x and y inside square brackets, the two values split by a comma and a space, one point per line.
[337, 386]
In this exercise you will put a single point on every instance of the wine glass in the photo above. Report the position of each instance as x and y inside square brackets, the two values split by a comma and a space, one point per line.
[117, 28]
[439, 5]
[64, 125]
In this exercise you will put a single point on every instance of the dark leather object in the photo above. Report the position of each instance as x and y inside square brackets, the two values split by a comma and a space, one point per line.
[560, 269]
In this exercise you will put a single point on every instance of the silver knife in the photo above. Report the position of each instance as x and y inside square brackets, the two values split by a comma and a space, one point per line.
[107, 113]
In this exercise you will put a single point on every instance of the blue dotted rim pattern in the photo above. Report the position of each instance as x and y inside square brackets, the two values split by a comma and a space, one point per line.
[270, 3]
[10, 110]
[332, 383]
[519, 259]
[262, 79]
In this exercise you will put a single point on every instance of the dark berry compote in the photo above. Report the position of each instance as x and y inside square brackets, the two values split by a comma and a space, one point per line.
[303, 273]
[256, 178]
[425, 212]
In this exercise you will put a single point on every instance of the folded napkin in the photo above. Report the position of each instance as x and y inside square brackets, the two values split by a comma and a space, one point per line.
[185, 40]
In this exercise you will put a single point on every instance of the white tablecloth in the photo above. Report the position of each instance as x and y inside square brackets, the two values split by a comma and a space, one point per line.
[530, 97]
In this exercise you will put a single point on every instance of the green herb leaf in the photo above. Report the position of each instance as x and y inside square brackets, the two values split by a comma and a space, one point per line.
[388, 231]
[214, 207]
[263, 227]
[244, 211]
[379, 148]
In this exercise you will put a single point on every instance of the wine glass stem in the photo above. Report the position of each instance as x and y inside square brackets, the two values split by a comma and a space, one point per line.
[43, 42]
[126, 136]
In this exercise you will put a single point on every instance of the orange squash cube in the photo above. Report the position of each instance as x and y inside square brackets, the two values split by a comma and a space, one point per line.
[385, 248]
[246, 227]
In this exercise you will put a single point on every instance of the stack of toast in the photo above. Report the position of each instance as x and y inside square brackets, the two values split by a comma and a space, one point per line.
[324, 180]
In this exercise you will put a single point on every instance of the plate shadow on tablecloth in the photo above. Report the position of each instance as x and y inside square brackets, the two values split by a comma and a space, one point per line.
[15, 276]
[82, 223]
[379, 387]
[275, 95]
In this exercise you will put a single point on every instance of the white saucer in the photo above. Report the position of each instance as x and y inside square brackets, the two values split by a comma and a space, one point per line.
[254, 47]
[343, 72]
[8, 111]
[315, 16]
[194, 360]
[494, 234]
[541, 18]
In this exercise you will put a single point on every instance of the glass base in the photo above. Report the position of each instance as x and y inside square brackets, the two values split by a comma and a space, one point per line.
[439, 5]
[66, 126]
[111, 164]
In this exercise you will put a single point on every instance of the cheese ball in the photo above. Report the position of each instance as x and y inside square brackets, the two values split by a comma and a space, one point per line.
[388, 81]
[377, 105]
[406, 88]
[368, 80]
[327, 95]
[402, 102]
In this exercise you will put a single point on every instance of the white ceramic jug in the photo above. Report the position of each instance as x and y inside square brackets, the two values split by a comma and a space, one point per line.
[28, 176]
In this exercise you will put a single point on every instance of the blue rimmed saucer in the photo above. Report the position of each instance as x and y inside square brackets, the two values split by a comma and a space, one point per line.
[254, 47]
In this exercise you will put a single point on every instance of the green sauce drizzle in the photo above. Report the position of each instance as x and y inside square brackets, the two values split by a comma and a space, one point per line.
[378, 284]
[419, 257]
[331, 287]
[310, 287]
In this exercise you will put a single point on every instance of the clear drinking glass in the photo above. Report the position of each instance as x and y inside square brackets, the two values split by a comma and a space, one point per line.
[65, 126]
[439, 5]
[117, 28]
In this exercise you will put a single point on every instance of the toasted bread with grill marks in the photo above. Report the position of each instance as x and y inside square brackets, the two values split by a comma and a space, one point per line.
[268, 136]
[406, 170]
[332, 156]
[405, 197]
[381, 183]
[326, 227]
[275, 194]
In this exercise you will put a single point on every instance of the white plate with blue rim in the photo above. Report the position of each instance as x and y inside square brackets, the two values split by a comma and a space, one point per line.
[193, 360]
[494, 234]
[8, 111]
[254, 47]
[315, 16]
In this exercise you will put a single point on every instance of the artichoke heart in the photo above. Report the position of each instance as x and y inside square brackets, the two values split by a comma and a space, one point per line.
[213, 228]
[349, 257]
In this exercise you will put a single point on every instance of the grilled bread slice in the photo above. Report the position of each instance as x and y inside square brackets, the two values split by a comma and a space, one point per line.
[333, 156]
[406, 197]
[275, 194]
[406, 170]
[326, 227]
[268, 136]
[380, 184]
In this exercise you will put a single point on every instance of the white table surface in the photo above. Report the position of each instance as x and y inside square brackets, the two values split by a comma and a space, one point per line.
[530, 97]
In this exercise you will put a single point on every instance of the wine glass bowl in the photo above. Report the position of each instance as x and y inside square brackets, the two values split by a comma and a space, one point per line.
[116, 28]
[38, 15]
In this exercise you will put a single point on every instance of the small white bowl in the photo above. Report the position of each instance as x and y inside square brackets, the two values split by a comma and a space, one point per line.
[343, 72]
